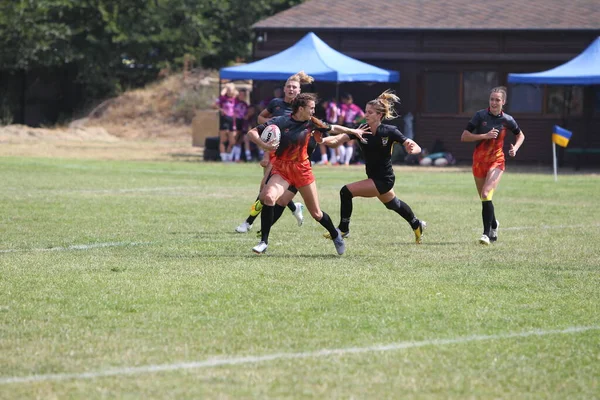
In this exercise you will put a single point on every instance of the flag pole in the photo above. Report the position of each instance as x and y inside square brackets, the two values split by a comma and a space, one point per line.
[554, 161]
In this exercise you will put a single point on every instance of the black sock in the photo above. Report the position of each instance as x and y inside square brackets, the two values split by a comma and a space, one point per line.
[291, 206]
[266, 221]
[494, 224]
[404, 211]
[487, 214]
[278, 210]
[345, 209]
[326, 222]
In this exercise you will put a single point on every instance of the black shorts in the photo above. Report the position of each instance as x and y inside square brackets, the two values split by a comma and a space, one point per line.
[226, 123]
[239, 123]
[291, 188]
[384, 184]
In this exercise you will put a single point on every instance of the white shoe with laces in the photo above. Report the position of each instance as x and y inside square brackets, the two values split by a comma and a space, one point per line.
[339, 244]
[244, 227]
[298, 213]
[494, 232]
[260, 248]
[484, 240]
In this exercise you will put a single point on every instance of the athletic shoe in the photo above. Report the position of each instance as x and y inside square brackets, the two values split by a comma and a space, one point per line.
[419, 232]
[339, 244]
[326, 235]
[494, 232]
[256, 208]
[484, 240]
[260, 248]
[298, 213]
[244, 227]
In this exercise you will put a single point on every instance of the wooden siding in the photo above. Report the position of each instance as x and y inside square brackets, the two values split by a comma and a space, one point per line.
[412, 53]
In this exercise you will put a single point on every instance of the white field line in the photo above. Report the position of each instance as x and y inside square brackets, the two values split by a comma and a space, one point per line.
[521, 228]
[79, 247]
[218, 362]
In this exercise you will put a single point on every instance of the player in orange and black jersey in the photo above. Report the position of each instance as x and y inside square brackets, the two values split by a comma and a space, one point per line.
[292, 167]
[377, 152]
[488, 128]
[278, 107]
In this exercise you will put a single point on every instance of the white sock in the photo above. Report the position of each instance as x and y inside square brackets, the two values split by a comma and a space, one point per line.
[223, 157]
[333, 157]
[349, 151]
[324, 158]
[236, 153]
[248, 155]
[342, 154]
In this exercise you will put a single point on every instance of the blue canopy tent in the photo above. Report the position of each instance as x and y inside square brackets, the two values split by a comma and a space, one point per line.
[582, 70]
[313, 56]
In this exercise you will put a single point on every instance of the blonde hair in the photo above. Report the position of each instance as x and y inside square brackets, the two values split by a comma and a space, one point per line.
[384, 104]
[499, 89]
[229, 88]
[302, 78]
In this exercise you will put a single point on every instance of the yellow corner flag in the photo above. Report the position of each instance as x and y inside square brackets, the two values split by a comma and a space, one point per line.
[561, 136]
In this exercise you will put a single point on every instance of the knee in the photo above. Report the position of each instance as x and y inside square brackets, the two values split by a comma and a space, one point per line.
[487, 194]
[268, 199]
[316, 214]
[345, 193]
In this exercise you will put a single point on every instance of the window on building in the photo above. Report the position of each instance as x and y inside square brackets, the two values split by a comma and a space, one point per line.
[441, 92]
[564, 99]
[476, 90]
[525, 99]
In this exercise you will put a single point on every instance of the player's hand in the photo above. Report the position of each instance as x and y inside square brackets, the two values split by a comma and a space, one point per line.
[412, 147]
[493, 134]
[362, 130]
[512, 151]
[269, 147]
[264, 163]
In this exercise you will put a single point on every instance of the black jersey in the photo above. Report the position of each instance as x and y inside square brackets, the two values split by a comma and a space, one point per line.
[377, 150]
[295, 138]
[277, 107]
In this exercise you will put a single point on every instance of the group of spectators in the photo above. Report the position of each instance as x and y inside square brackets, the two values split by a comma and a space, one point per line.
[238, 116]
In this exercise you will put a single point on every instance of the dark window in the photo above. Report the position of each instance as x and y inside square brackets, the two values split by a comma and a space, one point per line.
[441, 92]
[476, 90]
[564, 100]
[525, 99]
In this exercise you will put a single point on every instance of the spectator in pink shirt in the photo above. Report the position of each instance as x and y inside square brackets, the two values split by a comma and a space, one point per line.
[226, 105]
[350, 115]
[239, 112]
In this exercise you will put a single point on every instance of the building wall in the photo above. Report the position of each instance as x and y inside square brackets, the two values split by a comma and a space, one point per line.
[416, 53]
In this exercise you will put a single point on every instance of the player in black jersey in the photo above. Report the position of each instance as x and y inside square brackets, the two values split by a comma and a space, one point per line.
[292, 167]
[278, 107]
[377, 152]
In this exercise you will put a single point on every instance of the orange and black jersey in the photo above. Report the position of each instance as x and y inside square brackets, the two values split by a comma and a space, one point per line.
[484, 121]
[295, 143]
[277, 107]
[377, 151]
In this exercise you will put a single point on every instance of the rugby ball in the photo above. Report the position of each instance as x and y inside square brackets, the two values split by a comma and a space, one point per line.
[271, 134]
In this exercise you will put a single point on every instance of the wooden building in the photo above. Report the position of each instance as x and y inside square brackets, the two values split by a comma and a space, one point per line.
[449, 54]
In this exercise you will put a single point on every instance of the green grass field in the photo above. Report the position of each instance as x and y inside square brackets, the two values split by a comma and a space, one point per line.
[126, 280]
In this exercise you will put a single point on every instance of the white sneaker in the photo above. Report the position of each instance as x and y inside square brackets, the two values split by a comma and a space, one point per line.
[244, 227]
[260, 248]
[298, 213]
[339, 244]
[484, 240]
[494, 232]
